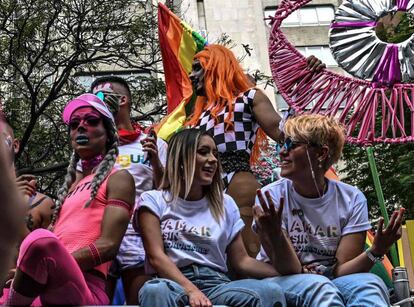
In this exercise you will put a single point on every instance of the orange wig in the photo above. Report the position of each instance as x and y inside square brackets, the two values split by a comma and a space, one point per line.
[224, 80]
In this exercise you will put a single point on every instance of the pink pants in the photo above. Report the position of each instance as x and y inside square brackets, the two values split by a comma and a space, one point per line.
[43, 257]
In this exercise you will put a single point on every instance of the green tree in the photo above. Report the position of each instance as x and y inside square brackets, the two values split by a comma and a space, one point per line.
[395, 165]
[48, 46]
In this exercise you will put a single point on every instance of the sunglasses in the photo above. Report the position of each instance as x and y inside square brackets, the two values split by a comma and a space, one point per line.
[108, 95]
[100, 95]
[112, 99]
[289, 144]
[91, 121]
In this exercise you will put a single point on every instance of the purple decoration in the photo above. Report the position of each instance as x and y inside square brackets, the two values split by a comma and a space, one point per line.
[388, 71]
[355, 24]
[402, 5]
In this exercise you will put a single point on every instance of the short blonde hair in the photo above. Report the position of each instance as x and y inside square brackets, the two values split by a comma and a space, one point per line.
[320, 130]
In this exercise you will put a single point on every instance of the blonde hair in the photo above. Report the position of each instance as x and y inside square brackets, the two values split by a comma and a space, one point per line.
[319, 130]
[180, 169]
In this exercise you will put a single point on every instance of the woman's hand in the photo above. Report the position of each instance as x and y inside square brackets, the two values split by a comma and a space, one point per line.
[384, 239]
[310, 268]
[196, 298]
[268, 218]
[149, 146]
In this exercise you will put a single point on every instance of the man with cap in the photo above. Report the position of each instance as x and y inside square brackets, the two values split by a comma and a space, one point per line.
[143, 156]
[69, 264]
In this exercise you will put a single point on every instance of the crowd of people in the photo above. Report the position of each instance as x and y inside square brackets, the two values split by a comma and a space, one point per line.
[181, 223]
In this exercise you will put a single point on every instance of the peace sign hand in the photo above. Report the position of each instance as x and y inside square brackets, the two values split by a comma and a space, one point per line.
[268, 219]
[385, 238]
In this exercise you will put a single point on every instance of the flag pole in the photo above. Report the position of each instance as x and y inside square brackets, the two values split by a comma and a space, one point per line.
[381, 200]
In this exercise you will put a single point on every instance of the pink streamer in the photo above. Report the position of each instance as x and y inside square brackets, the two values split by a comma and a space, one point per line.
[388, 71]
[355, 102]
[402, 5]
[353, 24]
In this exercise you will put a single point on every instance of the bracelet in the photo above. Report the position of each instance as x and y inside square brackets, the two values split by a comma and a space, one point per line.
[372, 257]
[95, 254]
[122, 204]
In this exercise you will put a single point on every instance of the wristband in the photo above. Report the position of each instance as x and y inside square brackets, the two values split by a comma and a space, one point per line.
[95, 254]
[372, 257]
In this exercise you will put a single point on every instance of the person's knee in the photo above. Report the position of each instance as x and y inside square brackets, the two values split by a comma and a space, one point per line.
[38, 242]
[374, 280]
[314, 281]
[308, 289]
[358, 280]
[155, 288]
[370, 280]
[258, 293]
[265, 288]
[363, 288]
[271, 290]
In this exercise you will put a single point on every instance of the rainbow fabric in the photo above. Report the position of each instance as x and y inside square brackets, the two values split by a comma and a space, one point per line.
[178, 43]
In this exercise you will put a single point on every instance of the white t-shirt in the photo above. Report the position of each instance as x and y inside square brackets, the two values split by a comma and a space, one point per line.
[316, 225]
[131, 157]
[189, 231]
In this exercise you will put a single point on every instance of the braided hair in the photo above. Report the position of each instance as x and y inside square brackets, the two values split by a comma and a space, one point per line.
[64, 189]
[103, 170]
[105, 167]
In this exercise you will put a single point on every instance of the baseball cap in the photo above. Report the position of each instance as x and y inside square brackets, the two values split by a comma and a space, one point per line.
[86, 100]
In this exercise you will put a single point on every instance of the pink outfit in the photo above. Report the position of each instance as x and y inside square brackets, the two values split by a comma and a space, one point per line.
[46, 256]
[77, 226]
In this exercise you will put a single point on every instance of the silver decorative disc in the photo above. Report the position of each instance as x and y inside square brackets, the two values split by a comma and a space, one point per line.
[374, 39]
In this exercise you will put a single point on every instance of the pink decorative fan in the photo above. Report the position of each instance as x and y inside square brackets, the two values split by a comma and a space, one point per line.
[376, 108]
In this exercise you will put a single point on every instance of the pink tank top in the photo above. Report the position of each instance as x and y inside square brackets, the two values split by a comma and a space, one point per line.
[77, 226]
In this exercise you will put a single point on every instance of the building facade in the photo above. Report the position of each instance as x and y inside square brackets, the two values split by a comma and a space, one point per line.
[244, 22]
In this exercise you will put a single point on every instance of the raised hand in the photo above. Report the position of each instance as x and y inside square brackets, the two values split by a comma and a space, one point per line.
[149, 146]
[314, 64]
[385, 238]
[26, 184]
[268, 218]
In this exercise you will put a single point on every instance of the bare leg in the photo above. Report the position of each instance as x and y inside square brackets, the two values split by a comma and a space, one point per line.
[243, 188]
[110, 287]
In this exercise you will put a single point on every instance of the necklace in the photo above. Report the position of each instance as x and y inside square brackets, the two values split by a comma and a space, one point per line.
[313, 176]
[92, 163]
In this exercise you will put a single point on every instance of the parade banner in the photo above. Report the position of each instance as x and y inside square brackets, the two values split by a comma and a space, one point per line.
[178, 43]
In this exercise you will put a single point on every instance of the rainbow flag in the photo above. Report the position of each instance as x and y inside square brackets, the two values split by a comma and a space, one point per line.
[178, 43]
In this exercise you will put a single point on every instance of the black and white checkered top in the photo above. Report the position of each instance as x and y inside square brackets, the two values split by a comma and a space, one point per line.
[243, 134]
